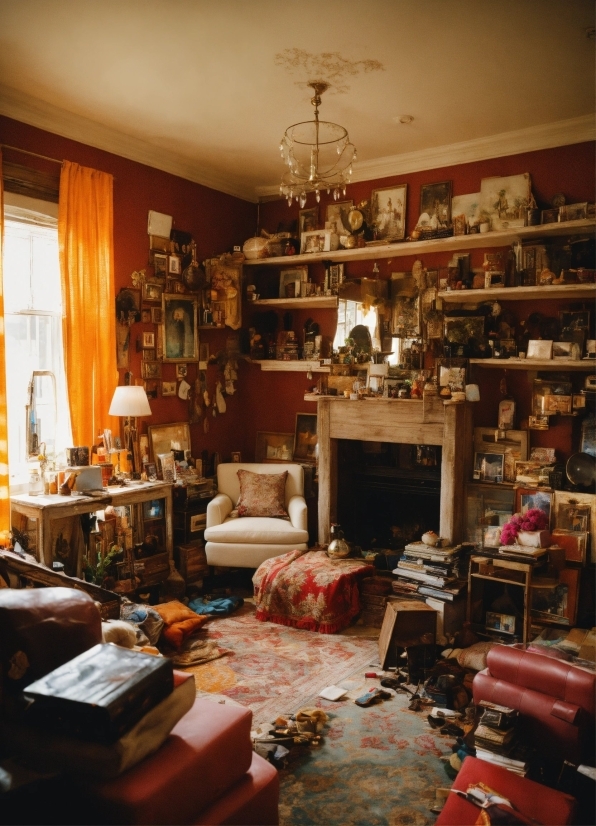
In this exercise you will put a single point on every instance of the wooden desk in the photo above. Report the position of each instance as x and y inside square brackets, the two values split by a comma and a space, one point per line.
[54, 506]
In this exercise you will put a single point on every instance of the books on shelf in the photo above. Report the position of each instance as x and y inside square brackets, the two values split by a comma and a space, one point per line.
[419, 549]
[421, 576]
[448, 594]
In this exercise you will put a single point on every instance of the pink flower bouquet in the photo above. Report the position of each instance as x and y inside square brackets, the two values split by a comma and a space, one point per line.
[532, 520]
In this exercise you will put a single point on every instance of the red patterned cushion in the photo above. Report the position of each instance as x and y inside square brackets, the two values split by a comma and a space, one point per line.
[262, 494]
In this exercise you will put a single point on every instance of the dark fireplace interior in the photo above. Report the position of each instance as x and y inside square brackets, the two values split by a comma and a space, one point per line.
[387, 494]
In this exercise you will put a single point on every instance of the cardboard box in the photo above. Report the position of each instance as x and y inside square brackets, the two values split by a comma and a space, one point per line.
[406, 622]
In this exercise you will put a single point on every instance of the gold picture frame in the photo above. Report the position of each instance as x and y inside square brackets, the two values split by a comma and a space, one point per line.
[274, 447]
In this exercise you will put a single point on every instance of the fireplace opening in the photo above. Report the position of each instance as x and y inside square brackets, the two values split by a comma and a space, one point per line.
[387, 494]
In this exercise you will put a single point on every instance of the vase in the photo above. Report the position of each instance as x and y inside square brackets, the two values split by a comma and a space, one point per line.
[534, 539]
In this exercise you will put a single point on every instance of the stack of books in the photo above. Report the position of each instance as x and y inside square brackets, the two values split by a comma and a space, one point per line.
[429, 571]
[495, 738]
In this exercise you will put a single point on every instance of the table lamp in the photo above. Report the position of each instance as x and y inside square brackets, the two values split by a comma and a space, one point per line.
[130, 402]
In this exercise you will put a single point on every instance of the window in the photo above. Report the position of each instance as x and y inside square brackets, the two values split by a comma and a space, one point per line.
[349, 314]
[33, 324]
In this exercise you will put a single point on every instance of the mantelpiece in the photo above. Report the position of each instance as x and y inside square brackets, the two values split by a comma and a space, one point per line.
[428, 421]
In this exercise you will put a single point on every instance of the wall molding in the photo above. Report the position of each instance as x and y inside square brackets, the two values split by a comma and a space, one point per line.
[545, 136]
[68, 125]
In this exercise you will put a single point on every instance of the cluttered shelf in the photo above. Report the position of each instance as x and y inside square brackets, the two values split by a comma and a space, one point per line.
[537, 364]
[558, 291]
[315, 302]
[496, 238]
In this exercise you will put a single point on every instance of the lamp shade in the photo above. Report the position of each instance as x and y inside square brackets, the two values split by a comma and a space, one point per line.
[129, 400]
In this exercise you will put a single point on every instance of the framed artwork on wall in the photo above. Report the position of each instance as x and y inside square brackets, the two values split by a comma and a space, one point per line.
[274, 447]
[305, 438]
[388, 212]
[181, 341]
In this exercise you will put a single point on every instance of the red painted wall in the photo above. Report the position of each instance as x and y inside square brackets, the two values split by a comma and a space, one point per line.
[216, 221]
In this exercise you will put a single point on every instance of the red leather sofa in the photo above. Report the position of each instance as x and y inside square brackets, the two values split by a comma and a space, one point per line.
[555, 699]
[205, 772]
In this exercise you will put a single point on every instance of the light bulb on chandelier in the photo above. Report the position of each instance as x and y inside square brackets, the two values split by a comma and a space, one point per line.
[318, 155]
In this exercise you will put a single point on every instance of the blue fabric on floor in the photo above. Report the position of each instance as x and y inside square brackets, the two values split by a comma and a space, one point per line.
[218, 607]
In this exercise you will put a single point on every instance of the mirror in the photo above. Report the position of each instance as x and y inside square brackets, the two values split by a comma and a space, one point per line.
[41, 412]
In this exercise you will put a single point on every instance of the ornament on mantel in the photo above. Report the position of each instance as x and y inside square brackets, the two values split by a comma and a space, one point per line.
[138, 278]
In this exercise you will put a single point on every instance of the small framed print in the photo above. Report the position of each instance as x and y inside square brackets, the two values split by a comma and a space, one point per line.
[151, 388]
[146, 316]
[181, 371]
[452, 373]
[549, 216]
[168, 388]
[308, 220]
[174, 265]
[160, 265]
[508, 347]
[540, 349]
[152, 291]
[556, 404]
[151, 369]
[504, 623]
[388, 212]
[538, 422]
[274, 447]
[529, 498]
[562, 349]
[235, 456]
[150, 354]
[435, 200]
[292, 278]
[151, 471]
[148, 340]
[528, 472]
[573, 212]
[488, 467]
[578, 401]
[156, 315]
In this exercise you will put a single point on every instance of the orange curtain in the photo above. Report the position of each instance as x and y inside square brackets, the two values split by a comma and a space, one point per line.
[4, 480]
[85, 234]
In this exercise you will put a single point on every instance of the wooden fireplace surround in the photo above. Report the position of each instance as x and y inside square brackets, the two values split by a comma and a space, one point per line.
[428, 421]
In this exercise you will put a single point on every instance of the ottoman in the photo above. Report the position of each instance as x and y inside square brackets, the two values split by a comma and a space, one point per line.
[533, 800]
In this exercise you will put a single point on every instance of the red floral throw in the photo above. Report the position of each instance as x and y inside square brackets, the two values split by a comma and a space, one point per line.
[306, 589]
[262, 494]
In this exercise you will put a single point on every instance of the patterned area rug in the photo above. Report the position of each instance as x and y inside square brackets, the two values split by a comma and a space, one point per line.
[377, 766]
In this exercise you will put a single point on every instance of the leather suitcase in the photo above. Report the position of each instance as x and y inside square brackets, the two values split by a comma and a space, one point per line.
[100, 694]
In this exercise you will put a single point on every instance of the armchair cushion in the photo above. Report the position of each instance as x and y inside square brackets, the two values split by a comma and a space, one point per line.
[262, 494]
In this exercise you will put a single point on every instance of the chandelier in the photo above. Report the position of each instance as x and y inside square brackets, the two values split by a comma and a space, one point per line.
[318, 154]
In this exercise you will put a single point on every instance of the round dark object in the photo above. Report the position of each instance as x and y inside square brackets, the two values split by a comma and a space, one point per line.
[581, 469]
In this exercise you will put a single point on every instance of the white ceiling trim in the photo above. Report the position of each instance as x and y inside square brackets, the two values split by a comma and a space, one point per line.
[545, 136]
[45, 116]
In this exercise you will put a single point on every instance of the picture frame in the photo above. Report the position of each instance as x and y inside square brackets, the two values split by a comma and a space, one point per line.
[573, 212]
[504, 623]
[168, 388]
[151, 369]
[181, 371]
[292, 275]
[562, 349]
[235, 456]
[148, 340]
[388, 212]
[467, 206]
[336, 217]
[318, 240]
[505, 199]
[539, 349]
[452, 373]
[549, 216]
[306, 447]
[538, 422]
[160, 264]
[145, 315]
[435, 200]
[492, 536]
[151, 471]
[174, 265]
[489, 467]
[156, 315]
[508, 347]
[128, 305]
[565, 503]
[308, 219]
[150, 354]
[181, 341]
[274, 447]
[527, 498]
[513, 444]
[166, 466]
[152, 291]
[166, 437]
[151, 388]
[528, 472]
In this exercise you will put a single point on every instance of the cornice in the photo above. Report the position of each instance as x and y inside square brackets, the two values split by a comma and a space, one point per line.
[544, 136]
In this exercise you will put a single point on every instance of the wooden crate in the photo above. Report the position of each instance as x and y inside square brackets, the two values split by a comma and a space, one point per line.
[191, 561]
[406, 622]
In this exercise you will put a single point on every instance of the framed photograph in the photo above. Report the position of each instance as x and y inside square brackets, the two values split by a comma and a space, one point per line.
[128, 305]
[305, 438]
[148, 340]
[156, 315]
[235, 456]
[388, 212]
[168, 388]
[336, 217]
[181, 341]
[292, 276]
[557, 404]
[151, 369]
[492, 536]
[460, 225]
[160, 264]
[562, 349]
[466, 206]
[181, 371]
[318, 240]
[167, 466]
[504, 199]
[549, 216]
[151, 471]
[539, 349]
[174, 265]
[146, 316]
[538, 422]
[452, 373]
[308, 220]
[528, 498]
[149, 354]
[505, 623]
[435, 200]
[576, 512]
[151, 388]
[573, 212]
[166, 437]
[513, 444]
[152, 291]
[274, 447]
[488, 467]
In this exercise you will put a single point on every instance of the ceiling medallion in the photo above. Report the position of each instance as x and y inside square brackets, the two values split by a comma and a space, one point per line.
[318, 154]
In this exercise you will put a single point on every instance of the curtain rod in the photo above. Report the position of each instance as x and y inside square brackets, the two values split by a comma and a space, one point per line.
[26, 152]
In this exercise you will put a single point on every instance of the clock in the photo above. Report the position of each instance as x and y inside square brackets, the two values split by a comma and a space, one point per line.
[355, 219]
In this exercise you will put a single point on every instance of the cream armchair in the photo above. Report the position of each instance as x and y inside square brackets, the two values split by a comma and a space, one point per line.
[245, 542]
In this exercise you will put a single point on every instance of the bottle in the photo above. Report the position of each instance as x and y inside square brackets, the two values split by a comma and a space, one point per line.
[35, 483]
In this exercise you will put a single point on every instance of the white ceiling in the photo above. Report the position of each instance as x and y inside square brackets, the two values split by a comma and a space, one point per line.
[206, 88]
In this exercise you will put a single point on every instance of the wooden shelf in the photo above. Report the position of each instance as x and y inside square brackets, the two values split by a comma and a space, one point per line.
[560, 291]
[301, 366]
[498, 238]
[537, 364]
[315, 302]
